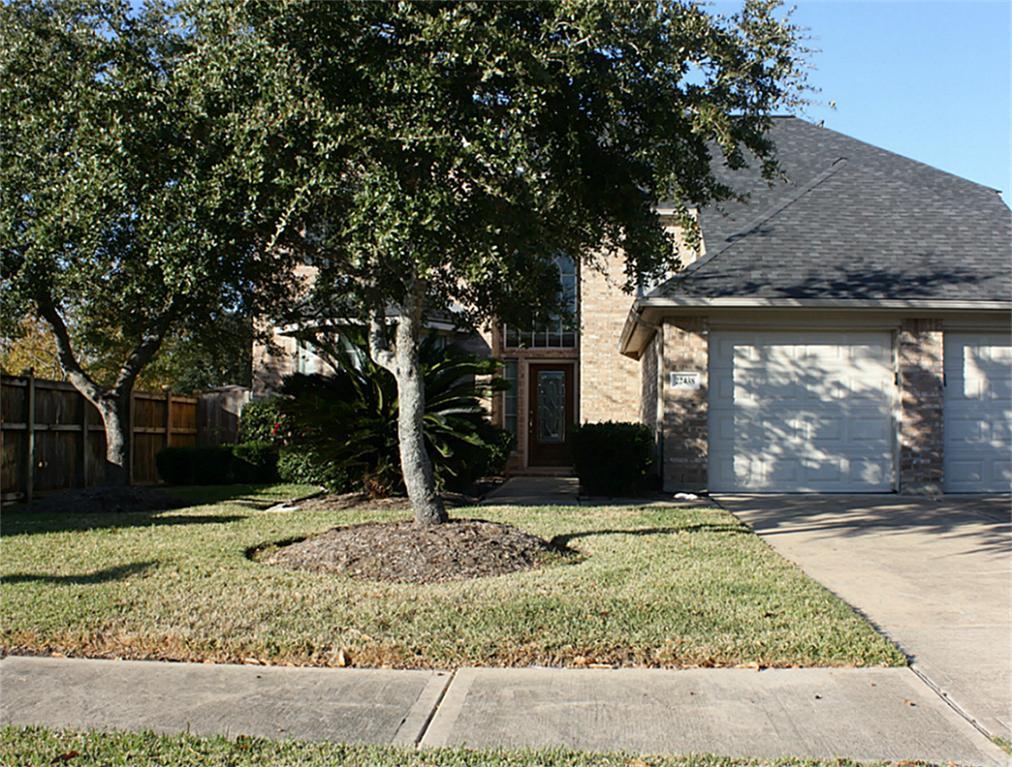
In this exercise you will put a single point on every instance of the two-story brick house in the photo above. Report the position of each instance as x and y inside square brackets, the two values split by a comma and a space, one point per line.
[846, 329]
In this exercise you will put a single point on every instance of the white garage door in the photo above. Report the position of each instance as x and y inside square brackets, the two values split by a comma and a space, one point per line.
[801, 411]
[978, 412]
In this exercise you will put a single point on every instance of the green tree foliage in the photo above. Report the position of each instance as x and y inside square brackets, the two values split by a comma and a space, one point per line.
[217, 354]
[29, 344]
[455, 148]
[137, 186]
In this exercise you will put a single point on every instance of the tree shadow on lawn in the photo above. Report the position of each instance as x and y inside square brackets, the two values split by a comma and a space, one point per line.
[208, 495]
[80, 509]
[562, 541]
[118, 573]
[28, 523]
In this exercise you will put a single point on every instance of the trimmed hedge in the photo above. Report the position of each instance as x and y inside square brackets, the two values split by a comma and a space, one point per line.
[613, 458]
[248, 462]
[254, 462]
[302, 465]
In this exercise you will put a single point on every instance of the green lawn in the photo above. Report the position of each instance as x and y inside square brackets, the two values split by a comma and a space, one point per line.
[656, 587]
[36, 746]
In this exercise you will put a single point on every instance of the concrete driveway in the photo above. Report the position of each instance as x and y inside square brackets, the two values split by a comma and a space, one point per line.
[933, 574]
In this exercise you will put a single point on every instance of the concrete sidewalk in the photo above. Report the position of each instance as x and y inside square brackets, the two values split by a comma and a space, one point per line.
[346, 705]
[859, 713]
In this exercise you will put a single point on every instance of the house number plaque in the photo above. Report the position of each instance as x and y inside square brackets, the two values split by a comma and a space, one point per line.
[685, 380]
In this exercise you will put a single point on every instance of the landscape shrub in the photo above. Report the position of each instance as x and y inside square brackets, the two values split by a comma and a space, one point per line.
[255, 462]
[346, 423]
[249, 462]
[259, 420]
[302, 465]
[487, 458]
[195, 465]
[613, 458]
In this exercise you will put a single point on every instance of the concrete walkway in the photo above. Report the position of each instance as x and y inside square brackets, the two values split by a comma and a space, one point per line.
[860, 713]
[535, 491]
[933, 574]
[564, 491]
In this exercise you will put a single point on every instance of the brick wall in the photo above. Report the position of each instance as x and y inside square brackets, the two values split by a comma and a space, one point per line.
[272, 363]
[920, 350]
[609, 382]
[684, 427]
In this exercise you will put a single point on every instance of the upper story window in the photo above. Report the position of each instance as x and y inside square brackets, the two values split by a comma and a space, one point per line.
[558, 331]
[307, 361]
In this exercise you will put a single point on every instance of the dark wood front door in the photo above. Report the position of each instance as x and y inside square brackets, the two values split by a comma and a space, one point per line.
[550, 414]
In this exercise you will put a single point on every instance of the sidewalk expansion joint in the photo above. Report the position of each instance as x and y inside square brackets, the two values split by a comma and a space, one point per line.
[435, 708]
[930, 684]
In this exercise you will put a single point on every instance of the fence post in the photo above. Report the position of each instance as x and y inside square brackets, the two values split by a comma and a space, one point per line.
[30, 435]
[168, 417]
[133, 437]
[84, 439]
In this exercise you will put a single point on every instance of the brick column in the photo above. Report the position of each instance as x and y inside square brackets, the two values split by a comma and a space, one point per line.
[920, 346]
[685, 440]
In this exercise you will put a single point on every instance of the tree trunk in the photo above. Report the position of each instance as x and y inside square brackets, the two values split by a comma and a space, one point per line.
[416, 465]
[115, 412]
[113, 403]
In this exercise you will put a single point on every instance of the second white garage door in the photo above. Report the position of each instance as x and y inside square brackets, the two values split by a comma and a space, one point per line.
[978, 412]
[801, 411]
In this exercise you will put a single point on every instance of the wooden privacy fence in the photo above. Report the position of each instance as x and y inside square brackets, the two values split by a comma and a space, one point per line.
[63, 445]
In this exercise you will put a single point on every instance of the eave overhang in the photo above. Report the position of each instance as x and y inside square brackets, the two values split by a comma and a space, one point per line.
[647, 312]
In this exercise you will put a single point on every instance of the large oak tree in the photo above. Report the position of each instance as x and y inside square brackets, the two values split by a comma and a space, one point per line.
[457, 148]
[139, 194]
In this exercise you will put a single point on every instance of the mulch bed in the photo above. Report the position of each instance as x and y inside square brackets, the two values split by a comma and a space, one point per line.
[103, 500]
[405, 553]
[362, 502]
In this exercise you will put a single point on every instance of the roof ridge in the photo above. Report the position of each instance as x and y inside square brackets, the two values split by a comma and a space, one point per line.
[752, 224]
[912, 160]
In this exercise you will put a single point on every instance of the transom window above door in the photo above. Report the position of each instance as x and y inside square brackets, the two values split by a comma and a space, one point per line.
[558, 331]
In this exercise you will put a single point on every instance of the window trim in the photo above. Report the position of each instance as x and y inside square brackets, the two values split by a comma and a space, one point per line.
[560, 336]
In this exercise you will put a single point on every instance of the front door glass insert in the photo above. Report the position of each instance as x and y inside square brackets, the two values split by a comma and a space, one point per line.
[551, 406]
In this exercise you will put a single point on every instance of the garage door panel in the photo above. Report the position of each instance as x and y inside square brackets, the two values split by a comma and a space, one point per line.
[826, 470]
[808, 411]
[722, 390]
[958, 472]
[825, 430]
[725, 429]
[780, 470]
[870, 471]
[978, 412]
[966, 430]
[1001, 428]
[872, 429]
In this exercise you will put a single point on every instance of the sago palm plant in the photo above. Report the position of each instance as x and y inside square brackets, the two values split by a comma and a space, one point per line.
[348, 419]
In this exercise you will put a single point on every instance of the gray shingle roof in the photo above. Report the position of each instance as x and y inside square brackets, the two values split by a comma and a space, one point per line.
[852, 221]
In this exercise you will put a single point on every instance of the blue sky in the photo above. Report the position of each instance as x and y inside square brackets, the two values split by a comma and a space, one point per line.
[926, 79]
